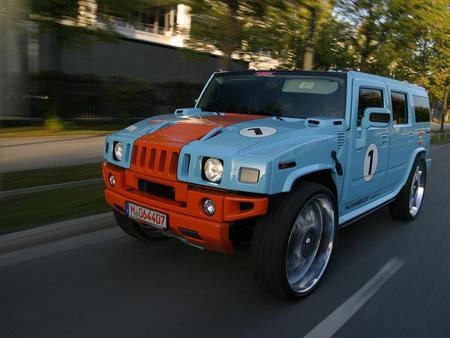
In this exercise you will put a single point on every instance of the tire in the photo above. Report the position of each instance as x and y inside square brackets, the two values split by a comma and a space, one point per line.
[409, 200]
[277, 245]
[136, 231]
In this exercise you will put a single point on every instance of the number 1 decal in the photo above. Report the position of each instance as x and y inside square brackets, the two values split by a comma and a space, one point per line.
[370, 162]
[257, 131]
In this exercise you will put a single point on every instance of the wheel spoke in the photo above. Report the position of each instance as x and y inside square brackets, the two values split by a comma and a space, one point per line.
[416, 190]
[310, 243]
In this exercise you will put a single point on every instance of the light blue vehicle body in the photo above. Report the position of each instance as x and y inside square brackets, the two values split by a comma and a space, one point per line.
[310, 144]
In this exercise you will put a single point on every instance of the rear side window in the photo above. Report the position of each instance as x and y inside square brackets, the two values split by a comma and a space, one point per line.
[369, 98]
[399, 108]
[421, 108]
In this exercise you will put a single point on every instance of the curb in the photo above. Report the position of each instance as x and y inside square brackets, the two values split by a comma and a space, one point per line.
[61, 230]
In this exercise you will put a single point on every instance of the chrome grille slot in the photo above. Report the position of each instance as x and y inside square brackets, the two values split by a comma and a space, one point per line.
[142, 157]
[134, 155]
[151, 162]
[162, 161]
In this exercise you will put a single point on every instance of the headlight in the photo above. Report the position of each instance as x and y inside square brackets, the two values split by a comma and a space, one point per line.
[213, 169]
[118, 151]
[249, 175]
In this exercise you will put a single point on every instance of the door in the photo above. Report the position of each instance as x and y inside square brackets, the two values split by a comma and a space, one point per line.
[369, 150]
[402, 136]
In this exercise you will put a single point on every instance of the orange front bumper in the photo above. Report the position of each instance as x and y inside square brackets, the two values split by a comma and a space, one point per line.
[185, 212]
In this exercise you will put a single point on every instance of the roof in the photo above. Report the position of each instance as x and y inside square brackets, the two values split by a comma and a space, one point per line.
[353, 74]
[366, 76]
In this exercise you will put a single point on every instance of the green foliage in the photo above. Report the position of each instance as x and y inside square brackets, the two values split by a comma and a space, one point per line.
[39, 177]
[53, 122]
[88, 96]
[54, 9]
[40, 208]
[226, 24]
[404, 39]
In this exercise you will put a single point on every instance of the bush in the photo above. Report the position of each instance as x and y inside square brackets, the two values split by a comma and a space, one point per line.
[59, 96]
[53, 122]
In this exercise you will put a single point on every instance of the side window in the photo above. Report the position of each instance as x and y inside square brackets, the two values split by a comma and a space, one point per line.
[421, 108]
[399, 108]
[369, 98]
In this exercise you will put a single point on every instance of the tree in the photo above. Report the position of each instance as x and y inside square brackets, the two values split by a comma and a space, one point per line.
[333, 47]
[289, 31]
[223, 25]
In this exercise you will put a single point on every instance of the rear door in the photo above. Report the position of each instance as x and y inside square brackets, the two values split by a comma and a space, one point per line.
[401, 135]
[367, 162]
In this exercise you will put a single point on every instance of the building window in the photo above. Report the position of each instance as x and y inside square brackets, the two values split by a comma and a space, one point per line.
[368, 98]
[399, 108]
[159, 20]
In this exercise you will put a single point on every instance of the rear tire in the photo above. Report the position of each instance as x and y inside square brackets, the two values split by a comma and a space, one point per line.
[409, 201]
[136, 231]
[292, 245]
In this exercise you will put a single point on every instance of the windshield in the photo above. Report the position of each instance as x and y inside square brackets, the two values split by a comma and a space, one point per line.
[273, 93]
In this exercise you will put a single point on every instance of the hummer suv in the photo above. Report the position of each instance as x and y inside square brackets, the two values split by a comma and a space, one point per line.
[284, 158]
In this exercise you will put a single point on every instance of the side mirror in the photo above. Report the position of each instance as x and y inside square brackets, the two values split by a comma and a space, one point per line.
[376, 117]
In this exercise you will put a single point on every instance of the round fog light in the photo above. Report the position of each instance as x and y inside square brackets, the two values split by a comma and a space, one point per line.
[112, 180]
[209, 207]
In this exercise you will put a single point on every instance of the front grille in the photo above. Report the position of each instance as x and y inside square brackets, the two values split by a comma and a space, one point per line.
[156, 189]
[154, 161]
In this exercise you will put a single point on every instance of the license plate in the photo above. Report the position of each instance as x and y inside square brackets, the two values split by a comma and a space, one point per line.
[147, 216]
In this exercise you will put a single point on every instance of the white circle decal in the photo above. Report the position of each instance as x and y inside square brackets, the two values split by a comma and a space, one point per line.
[257, 131]
[370, 162]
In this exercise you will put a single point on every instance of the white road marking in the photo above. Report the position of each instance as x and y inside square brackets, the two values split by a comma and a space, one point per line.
[330, 325]
[44, 250]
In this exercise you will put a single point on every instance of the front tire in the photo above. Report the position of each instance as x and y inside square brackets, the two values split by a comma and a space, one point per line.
[135, 230]
[409, 200]
[292, 245]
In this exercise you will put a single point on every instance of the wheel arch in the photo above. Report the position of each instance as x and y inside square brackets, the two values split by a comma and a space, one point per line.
[326, 177]
[417, 153]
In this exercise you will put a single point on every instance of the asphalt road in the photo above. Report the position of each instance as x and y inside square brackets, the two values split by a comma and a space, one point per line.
[105, 284]
[54, 151]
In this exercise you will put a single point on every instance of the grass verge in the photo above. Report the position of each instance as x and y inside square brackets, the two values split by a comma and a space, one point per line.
[440, 138]
[41, 208]
[39, 177]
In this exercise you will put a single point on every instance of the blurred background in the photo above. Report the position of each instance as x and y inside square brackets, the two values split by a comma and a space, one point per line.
[75, 70]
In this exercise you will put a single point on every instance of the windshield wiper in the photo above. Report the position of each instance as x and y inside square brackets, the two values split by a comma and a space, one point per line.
[275, 115]
[211, 110]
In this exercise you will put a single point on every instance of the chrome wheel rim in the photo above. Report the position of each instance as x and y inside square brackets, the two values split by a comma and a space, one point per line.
[416, 191]
[310, 244]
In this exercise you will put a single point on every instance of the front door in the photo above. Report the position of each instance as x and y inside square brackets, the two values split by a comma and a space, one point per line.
[369, 152]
